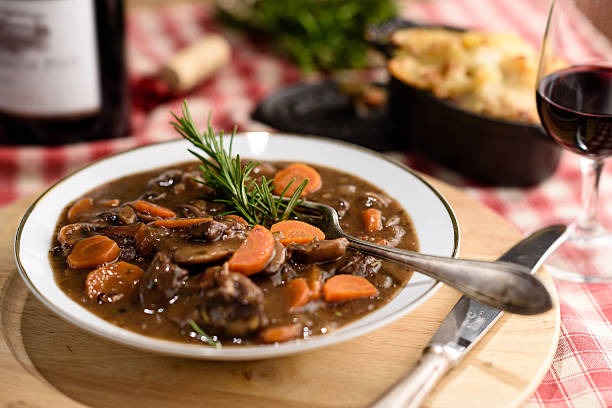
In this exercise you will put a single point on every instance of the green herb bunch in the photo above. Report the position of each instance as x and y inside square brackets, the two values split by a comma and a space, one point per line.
[250, 198]
[317, 34]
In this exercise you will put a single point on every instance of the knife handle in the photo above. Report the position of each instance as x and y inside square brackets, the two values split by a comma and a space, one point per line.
[410, 390]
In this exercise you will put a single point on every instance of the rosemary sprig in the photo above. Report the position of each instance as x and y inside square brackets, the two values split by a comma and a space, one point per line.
[203, 336]
[226, 173]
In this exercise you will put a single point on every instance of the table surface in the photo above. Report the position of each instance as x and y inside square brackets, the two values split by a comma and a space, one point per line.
[44, 360]
[580, 373]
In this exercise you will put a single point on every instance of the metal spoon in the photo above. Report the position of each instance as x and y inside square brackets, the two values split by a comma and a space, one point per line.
[503, 285]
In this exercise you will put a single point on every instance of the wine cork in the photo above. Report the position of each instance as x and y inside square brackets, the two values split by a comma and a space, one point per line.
[196, 62]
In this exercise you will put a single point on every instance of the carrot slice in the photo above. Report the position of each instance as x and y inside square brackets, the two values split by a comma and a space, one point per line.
[340, 288]
[298, 232]
[112, 282]
[298, 293]
[314, 279]
[92, 252]
[279, 334]
[291, 176]
[80, 210]
[372, 219]
[152, 209]
[179, 222]
[254, 253]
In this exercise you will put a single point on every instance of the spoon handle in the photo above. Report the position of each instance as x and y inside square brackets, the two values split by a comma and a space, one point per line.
[506, 286]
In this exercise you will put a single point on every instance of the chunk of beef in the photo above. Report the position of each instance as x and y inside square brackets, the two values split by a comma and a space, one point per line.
[394, 234]
[200, 208]
[161, 282]
[127, 214]
[375, 200]
[360, 265]
[208, 230]
[232, 304]
[150, 239]
[390, 235]
[129, 253]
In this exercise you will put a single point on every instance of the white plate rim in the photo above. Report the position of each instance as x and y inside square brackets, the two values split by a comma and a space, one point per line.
[233, 353]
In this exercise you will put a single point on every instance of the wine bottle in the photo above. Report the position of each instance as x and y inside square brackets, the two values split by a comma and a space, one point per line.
[63, 72]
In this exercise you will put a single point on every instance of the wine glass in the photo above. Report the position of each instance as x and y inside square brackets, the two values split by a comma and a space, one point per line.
[574, 99]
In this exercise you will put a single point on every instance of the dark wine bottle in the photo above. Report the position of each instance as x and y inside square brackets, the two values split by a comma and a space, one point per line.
[63, 72]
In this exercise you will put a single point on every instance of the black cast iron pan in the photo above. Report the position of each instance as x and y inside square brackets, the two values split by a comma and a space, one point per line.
[488, 150]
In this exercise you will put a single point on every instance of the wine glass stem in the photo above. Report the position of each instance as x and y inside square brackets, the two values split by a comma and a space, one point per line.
[588, 218]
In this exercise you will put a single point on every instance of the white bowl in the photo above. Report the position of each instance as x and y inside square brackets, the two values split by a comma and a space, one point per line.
[434, 220]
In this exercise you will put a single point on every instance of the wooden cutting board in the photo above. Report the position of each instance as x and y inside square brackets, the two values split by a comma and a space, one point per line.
[47, 362]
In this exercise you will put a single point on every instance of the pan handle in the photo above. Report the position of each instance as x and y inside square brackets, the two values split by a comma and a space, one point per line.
[377, 35]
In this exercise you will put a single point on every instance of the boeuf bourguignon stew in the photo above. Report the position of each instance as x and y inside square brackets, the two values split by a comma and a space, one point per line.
[157, 253]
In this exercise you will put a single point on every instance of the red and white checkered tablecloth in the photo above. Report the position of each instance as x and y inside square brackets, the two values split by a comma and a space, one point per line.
[581, 372]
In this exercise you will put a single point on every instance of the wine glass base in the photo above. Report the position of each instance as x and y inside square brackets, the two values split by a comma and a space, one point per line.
[583, 257]
[571, 276]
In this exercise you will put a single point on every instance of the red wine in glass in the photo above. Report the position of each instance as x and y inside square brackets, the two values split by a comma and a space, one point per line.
[575, 107]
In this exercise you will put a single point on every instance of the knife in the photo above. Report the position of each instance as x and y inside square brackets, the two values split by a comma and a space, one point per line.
[463, 327]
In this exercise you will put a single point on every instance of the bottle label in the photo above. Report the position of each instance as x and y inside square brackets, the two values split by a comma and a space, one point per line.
[48, 58]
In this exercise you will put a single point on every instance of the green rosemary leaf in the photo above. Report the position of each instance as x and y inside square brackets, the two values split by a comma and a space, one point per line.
[230, 177]
[294, 200]
[205, 337]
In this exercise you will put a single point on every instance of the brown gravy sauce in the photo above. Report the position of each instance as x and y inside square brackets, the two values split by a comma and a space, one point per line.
[173, 187]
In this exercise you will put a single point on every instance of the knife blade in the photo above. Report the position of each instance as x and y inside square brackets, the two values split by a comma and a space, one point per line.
[466, 323]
